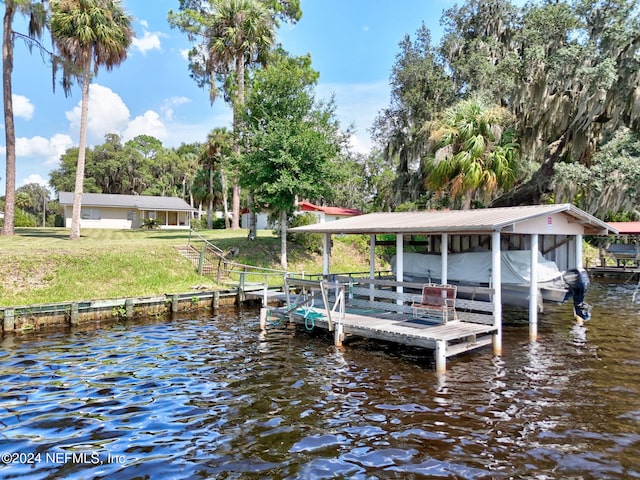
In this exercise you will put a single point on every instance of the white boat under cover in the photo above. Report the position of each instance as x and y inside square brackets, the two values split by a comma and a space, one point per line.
[474, 268]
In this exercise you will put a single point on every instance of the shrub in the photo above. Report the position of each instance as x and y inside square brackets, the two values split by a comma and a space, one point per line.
[150, 223]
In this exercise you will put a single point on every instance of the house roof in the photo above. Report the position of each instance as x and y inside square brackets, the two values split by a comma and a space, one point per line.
[139, 202]
[337, 211]
[543, 219]
[626, 228]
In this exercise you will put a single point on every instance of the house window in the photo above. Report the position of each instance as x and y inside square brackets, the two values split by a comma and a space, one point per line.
[152, 215]
[131, 215]
[90, 213]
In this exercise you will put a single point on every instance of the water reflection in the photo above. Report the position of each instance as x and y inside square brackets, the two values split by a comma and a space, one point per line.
[215, 398]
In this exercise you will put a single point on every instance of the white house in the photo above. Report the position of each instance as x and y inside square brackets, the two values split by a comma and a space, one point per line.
[322, 214]
[100, 210]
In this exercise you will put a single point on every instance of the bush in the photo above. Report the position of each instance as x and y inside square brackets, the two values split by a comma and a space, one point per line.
[24, 219]
[218, 224]
[150, 223]
[309, 241]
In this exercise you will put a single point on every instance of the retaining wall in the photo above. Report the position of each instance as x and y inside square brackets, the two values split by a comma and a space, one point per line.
[34, 317]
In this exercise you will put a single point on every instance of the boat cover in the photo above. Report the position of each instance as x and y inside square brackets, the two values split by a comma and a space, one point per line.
[475, 267]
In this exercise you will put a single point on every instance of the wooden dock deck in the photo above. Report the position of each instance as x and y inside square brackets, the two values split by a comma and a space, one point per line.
[446, 339]
[391, 320]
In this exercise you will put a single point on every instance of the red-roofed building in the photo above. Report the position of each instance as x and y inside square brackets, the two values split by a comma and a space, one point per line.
[626, 228]
[323, 214]
[327, 214]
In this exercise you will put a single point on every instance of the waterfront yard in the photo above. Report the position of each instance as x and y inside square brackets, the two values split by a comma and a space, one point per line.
[43, 266]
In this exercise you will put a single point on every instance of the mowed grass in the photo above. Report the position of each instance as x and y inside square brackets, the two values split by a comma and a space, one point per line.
[44, 266]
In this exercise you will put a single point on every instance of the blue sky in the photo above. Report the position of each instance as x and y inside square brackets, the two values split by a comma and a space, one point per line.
[353, 44]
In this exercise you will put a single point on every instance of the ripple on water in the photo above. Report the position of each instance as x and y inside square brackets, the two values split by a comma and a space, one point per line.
[213, 398]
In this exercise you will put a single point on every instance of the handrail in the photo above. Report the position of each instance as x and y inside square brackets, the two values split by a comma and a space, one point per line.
[320, 286]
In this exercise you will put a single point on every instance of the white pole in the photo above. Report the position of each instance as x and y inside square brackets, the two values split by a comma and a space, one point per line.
[399, 265]
[372, 264]
[496, 272]
[326, 252]
[579, 251]
[444, 250]
[441, 356]
[533, 289]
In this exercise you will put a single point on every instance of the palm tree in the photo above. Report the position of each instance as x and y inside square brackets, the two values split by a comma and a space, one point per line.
[216, 149]
[237, 34]
[37, 17]
[474, 154]
[90, 34]
[242, 32]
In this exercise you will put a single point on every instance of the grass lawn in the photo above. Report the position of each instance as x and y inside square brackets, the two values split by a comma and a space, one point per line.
[41, 265]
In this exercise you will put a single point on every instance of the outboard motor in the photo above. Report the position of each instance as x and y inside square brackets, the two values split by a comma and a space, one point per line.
[577, 281]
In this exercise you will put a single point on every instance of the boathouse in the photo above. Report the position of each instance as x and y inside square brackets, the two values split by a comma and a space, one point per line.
[554, 232]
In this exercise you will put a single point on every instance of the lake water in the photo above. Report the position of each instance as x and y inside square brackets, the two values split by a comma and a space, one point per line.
[213, 398]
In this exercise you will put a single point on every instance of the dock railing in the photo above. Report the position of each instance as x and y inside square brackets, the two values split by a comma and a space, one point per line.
[473, 303]
[309, 290]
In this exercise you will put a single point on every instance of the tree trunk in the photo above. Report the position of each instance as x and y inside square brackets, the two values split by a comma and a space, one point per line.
[253, 218]
[237, 108]
[540, 184]
[77, 196]
[210, 212]
[9, 127]
[225, 198]
[283, 239]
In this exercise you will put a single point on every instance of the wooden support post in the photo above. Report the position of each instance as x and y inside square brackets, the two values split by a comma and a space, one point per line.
[326, 253]
[175, 303]
[219, 274]
[441, 356]
[9, 322]
[240, 295]
[444, 247]
[74, 318]
[216, 300]
[201, 260]
[579, 262]
[399, 266]
[338, 335]
[263, 318]
[372, 265]
[533, 289]
[128, 305]
[496, 272]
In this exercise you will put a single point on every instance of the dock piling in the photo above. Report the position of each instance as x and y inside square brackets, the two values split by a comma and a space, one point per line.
[9, 322]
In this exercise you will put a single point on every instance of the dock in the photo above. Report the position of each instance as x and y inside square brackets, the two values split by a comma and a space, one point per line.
[614, 272]
[372, 308]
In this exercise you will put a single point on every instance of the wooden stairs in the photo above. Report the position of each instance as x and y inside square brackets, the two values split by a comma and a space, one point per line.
[193, 255]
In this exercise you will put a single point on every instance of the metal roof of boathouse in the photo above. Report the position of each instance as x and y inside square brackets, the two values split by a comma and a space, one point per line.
[563, 218]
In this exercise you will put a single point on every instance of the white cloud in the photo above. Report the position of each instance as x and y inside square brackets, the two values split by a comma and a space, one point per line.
[22, 107]
[107, 114]
[34, 178]
[47, 150]
[149, 41]
[169, 103]
[147, 124]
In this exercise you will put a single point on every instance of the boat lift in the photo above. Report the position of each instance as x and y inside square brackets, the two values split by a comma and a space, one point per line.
[305, 304]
